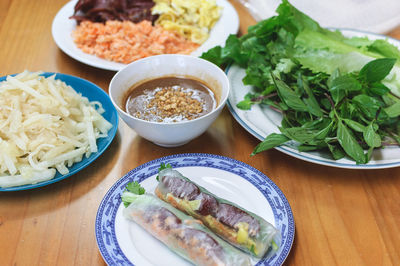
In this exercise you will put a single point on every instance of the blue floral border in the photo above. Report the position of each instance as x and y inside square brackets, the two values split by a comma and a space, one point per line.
[105, 226]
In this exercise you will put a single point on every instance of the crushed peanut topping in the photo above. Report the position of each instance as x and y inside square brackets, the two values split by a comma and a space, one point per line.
[172, 103]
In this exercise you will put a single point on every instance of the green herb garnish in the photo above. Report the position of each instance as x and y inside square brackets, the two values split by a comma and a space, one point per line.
[162, 167]
[132, 190]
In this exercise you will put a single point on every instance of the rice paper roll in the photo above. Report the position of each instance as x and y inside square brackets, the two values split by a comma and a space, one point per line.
[239, 227]
[184, 235]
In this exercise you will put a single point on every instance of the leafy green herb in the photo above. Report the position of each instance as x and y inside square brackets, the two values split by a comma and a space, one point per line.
[135, 188]
[289, 96]
[310, 101]
[350, 144]
[162, 167]
[342, 86]
[354, 125]
[132, 190]
[371, 137]
[377, 70]
[270, 141]
[334, 93]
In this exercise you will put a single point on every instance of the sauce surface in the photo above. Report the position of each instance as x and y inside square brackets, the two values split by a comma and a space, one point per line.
[170, 99]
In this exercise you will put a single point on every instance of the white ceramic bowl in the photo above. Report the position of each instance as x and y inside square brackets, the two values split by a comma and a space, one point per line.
[176, 133]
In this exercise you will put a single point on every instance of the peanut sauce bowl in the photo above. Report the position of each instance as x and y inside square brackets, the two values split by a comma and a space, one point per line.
[170, 133]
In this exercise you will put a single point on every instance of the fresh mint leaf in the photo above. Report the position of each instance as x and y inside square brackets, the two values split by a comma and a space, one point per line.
[350, 144]
[371, 137]
[271, 141]
[336, 151]
[251, 99]
[367, 105]
[289, 96]
[310, 101]
[378, 89]
[323, 133]
[245, 104]
[342, 86]
[377, 69]
[304, 148]
[300, 134]
[347, 109]
[354, 125]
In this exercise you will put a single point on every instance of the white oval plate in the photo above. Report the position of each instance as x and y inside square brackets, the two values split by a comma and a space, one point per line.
[122, 242]
[261, 121]
[63, 27]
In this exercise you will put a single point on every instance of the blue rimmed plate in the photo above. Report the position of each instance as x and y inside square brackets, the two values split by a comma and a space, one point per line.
[122, 242]
[93, 93]
[261, 121]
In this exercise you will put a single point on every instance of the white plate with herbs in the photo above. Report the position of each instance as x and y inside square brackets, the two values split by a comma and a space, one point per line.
[261, 121]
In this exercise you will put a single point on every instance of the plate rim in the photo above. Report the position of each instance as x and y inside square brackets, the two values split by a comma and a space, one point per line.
[114, 193]
[111, 134]
[103, 63]
[301, 155]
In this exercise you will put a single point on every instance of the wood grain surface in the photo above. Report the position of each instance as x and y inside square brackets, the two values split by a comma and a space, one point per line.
[343, 217]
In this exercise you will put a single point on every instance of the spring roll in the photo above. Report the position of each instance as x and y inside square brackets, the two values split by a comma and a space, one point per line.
[184, 235]
[241, 228]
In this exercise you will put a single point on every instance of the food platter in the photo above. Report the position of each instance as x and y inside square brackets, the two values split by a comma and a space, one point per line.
[260, 121]
[122, 242]
[93, 93]
[63, 26]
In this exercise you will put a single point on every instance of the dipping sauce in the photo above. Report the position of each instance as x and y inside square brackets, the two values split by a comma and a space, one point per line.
[170, 99]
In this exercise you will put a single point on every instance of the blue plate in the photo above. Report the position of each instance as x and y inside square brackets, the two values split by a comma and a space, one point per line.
[121, 243]
[93, 93]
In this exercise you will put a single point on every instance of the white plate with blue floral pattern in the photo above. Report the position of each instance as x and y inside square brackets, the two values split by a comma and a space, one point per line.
[122, 242]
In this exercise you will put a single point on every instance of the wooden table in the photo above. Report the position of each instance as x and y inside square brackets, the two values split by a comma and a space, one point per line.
[344, 217]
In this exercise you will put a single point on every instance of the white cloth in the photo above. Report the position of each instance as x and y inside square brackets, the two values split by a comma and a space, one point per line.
[378, 16]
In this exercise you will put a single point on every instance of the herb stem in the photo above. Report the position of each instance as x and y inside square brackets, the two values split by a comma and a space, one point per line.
[390, 144]
[398, 97]
[275, 109]
[330, 100]
[263, 97]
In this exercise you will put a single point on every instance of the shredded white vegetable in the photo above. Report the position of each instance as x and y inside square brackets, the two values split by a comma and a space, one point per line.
[45, 125]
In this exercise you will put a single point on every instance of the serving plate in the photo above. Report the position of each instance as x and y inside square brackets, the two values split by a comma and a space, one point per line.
[122, 242]
[261, 121]
[63, 27]
[93, 93]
